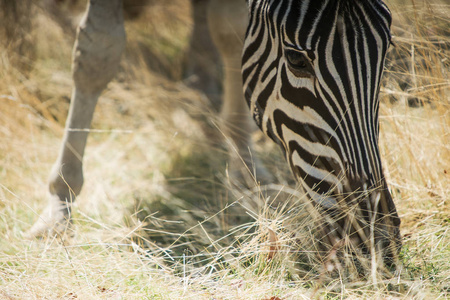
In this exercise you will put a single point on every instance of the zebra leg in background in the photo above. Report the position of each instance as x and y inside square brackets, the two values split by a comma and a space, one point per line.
[96, 55]
[227, 23]
[201, 70]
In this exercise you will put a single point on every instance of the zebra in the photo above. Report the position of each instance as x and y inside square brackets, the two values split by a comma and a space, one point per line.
[311, 75]
[311, 72]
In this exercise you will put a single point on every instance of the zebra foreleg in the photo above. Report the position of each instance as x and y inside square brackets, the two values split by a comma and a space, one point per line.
[96, 55]
[227, 23]
[201, 70]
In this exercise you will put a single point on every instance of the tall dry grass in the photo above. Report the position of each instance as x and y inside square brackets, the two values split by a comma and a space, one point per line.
[156, 218]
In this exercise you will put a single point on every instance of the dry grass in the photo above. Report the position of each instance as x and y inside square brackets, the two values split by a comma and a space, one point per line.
[155, 219]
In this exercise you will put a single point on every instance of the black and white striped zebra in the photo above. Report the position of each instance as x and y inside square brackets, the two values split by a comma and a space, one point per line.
[311, 73]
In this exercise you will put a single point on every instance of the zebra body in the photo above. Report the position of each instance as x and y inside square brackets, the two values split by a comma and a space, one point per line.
[311, 74]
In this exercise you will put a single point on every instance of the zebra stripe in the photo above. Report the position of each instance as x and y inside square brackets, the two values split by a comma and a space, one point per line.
[311, 73]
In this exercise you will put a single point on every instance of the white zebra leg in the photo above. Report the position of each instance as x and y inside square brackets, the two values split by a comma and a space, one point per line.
[96, 55]
[227, 23]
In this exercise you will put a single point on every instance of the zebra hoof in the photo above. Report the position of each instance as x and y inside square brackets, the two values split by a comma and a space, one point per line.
[54, 220]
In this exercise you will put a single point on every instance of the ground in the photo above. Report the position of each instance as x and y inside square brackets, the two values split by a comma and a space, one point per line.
[157, 217]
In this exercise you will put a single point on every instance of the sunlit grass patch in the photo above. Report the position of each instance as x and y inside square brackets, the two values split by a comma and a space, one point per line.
[157, 217]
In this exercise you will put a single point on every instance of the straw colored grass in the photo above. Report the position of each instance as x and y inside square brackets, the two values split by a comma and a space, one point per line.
[157, 219]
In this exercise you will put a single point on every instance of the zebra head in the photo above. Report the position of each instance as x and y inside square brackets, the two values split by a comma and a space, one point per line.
[311, 74]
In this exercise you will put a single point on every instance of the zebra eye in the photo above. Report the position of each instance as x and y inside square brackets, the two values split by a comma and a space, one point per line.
[296, 59]
[298, 63]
